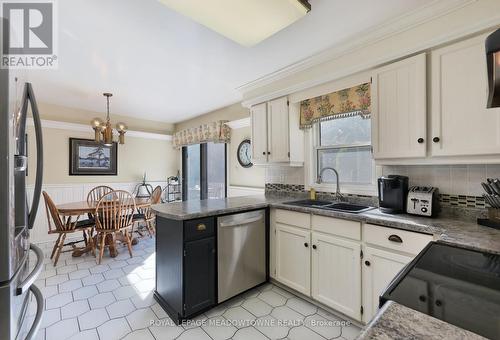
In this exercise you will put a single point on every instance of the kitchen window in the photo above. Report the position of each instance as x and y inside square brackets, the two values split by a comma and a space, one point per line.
[345, 145]
[204, 173]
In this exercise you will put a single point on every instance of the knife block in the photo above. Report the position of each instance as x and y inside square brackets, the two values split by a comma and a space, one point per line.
[493, 220]
[494, 214]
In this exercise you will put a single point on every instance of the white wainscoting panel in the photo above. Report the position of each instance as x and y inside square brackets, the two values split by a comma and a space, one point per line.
[66, 193]
[235, 191]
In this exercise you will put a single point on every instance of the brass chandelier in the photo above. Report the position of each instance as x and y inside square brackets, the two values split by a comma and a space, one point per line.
[104, 131]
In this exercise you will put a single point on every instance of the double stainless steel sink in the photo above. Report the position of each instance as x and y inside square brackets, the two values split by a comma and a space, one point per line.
[328, 205]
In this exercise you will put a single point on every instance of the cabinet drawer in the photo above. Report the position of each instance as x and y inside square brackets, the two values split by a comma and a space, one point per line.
[391, 238]
[199, 228]
[337, 226]
[294, 218]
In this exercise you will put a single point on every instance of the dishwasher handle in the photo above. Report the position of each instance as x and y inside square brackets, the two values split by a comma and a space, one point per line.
[240, 222]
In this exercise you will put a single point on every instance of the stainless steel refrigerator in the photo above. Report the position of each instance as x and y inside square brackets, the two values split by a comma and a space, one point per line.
[17, 277]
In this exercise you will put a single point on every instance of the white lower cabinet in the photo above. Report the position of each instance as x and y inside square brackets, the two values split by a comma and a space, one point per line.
[293, 257]
[320, 257]
[379, 268]
[336, 273]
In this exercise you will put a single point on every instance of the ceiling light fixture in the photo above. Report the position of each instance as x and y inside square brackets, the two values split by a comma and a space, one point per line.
[247, 22]
[104, 131]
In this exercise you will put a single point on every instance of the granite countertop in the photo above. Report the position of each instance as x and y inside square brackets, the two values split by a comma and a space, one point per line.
[395, 321]
[466, 233]
[188, 210]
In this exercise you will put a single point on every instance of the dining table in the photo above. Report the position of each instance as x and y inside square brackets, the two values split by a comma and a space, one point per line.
[79, 208]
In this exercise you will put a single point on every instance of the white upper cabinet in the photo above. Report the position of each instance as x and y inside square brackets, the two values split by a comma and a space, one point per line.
[259, 133]
[461, 124]
[275, 131]
[399, 109]
[278, 138]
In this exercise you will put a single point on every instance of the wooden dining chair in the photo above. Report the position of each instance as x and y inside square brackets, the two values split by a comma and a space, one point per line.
[94, 196]
[146, 215]
[63, 225]
[114, 213]
[97, 193]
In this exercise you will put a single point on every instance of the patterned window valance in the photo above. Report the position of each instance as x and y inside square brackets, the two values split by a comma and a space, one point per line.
[217, 132]
[344, 103]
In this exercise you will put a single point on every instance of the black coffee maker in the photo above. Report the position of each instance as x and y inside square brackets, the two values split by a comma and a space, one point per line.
[392, 194]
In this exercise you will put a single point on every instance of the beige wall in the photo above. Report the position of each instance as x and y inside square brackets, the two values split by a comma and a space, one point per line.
[232, 112]
[72, 115]
[138, 155]
[238, 175]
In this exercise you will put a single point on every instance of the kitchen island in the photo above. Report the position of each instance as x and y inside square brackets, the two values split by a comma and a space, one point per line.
[209, 251]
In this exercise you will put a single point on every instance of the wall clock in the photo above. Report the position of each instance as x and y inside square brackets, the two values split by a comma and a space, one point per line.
[244, 153]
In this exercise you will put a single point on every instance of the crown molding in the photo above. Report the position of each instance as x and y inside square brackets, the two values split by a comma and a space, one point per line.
[239, 123]
[52, 124]
[447, 37]
[370, 36]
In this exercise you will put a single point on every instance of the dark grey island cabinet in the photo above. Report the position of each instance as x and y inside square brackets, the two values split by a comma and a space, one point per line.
[186, 266]
[205, 261]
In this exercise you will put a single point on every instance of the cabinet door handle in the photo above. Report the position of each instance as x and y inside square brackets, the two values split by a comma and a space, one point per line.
[269, 152]
[420, 140]
[306, 244]
[264, 153]
[436, 139]
[314, 246]
[201, 227]
[395, 238]
[367, 263]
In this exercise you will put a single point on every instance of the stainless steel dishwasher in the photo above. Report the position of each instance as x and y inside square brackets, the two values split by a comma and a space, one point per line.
[241, 244]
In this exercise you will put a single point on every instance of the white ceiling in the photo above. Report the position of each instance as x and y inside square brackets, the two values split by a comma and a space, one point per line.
[162, 66]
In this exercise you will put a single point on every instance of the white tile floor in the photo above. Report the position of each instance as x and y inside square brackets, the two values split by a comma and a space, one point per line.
[114, 301]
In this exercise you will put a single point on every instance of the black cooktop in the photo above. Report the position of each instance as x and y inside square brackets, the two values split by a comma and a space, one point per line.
[457, 285]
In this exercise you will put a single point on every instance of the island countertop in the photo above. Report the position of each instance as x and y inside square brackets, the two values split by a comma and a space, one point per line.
[395, 321]
[188, 210]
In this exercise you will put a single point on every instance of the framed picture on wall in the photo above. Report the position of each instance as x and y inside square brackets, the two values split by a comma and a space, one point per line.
[88, 158]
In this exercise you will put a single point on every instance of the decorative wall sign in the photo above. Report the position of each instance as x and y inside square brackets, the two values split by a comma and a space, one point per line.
[88, 158]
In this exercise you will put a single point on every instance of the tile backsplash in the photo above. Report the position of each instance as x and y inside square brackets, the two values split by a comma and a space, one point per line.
[459, 185]
[285, 175]
[450, 179]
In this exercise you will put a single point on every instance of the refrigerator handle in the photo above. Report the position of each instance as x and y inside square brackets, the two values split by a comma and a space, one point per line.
[31, 278]
[39, 157]
[40, 306]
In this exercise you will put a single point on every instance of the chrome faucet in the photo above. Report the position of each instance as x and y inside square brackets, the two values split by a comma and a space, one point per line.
[319, 180]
